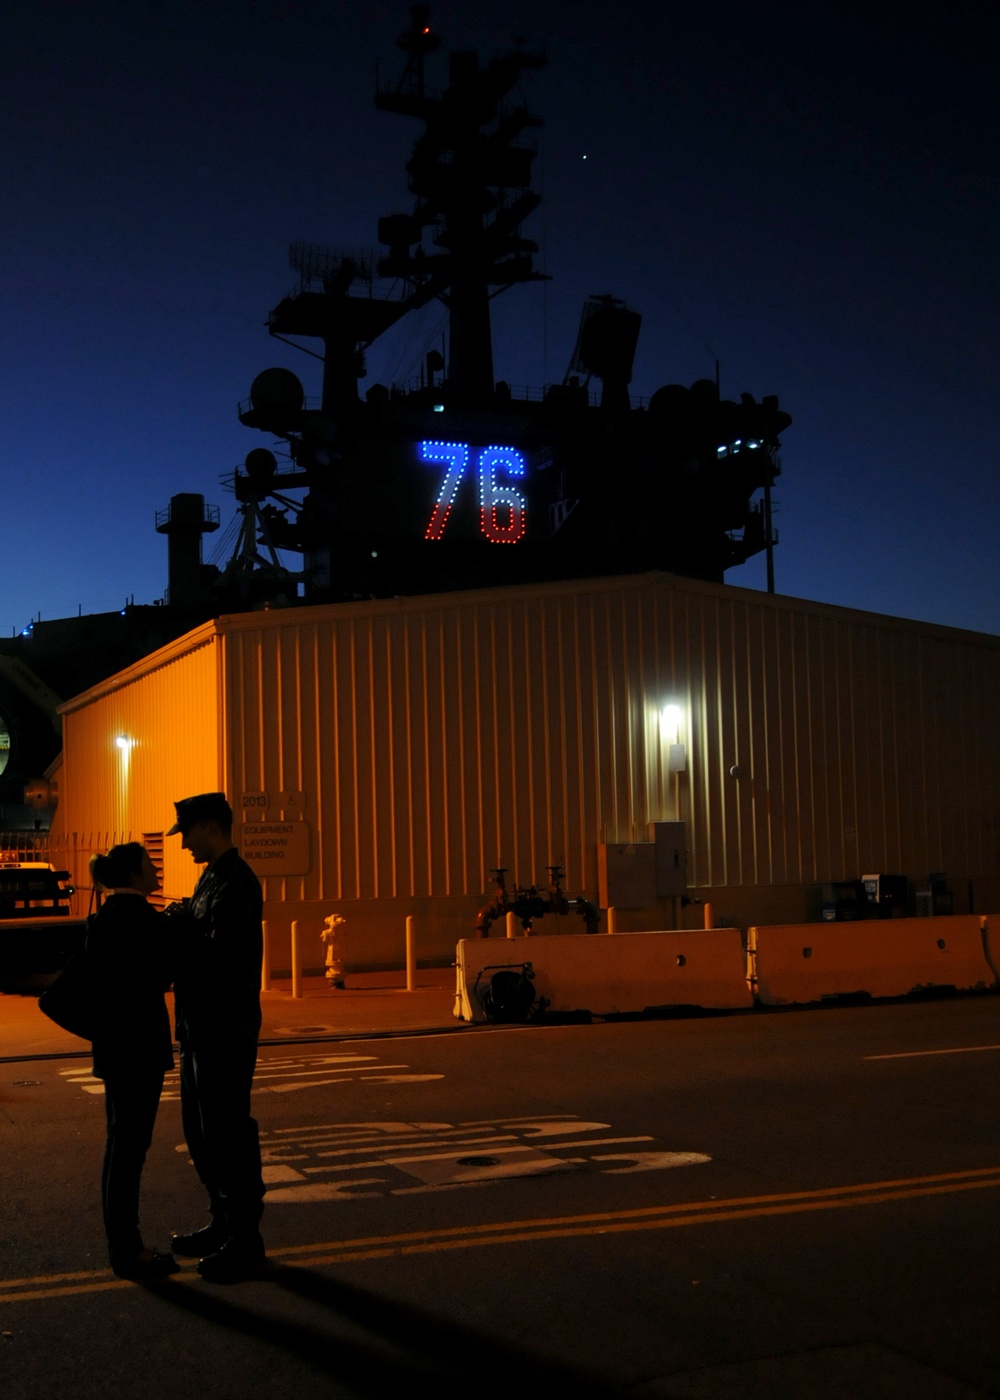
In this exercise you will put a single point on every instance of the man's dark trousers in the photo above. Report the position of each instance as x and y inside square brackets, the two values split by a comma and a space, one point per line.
[220, 1130]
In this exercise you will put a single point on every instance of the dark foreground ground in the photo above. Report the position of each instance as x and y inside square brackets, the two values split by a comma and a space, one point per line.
[791, 1206]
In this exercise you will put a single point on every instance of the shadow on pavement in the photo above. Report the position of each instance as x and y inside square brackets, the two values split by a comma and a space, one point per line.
[407, 1345]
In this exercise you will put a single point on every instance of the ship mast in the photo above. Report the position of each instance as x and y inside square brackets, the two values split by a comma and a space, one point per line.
[471, 177]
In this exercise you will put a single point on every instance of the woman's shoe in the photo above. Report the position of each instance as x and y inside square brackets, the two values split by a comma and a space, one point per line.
[151, 1263]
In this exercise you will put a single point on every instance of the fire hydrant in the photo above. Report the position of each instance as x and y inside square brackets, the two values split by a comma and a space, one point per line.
[334, 941]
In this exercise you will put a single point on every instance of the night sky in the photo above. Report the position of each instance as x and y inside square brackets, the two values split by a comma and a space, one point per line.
[808, 194]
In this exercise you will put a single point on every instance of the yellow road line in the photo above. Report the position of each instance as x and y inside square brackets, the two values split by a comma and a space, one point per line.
[55, 1278]
[102, 1284]
[921, 1054]
[555, 1227]
[612, 1227]
[709, 1206]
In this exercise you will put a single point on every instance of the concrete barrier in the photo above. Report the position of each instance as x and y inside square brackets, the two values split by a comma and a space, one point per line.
[611, 973]
[794, 963]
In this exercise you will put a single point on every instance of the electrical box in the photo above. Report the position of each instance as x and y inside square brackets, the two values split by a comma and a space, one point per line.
[669, 859]
[626, 875]
[843, 901]
[636, 875]
[885, 895]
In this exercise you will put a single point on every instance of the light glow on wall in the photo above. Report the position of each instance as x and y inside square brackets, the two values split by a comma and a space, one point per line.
[124, 746]
[670, 724]
[672, 748]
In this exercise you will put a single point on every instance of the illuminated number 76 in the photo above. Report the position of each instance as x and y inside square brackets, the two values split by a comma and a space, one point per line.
[455, 455]
[492, 495]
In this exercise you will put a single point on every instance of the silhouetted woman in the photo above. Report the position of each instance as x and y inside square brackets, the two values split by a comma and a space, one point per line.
[126, 950]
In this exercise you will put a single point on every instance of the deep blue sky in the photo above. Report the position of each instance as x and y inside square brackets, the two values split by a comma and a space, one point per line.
[810, 197]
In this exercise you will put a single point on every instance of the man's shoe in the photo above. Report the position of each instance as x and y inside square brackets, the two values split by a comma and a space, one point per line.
[200, 1242]
[150, 1264]
[235, 1262]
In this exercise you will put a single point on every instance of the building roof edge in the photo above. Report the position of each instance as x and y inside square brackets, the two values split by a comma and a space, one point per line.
[189, 641]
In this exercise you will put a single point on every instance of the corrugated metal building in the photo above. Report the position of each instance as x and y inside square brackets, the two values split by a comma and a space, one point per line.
[396, 752]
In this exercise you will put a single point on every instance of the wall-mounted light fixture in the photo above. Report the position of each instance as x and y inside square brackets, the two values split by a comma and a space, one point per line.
[670, 737]
[670, 724]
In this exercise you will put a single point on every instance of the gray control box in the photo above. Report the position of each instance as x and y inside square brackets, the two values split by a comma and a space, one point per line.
[669, 858]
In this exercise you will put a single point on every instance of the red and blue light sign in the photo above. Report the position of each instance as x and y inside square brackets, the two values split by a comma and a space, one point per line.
[503, 509]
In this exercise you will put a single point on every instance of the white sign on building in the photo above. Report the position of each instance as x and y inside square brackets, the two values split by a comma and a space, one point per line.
[275, 849]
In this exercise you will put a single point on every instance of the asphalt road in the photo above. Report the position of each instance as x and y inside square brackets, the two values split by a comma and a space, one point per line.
[790, 1206]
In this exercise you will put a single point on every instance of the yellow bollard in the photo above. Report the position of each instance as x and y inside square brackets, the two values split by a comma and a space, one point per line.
[708, 915]
[612, 919]
[511, 925]
[296, 960]
[265, 962]
[411, 959]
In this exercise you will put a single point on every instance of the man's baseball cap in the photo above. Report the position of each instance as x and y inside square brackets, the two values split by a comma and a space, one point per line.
[205, 807]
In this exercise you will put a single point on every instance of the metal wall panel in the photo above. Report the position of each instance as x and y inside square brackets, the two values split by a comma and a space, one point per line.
[434, 739]
[427, 740]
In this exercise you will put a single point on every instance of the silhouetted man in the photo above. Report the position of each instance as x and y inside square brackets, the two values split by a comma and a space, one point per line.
[217, 998]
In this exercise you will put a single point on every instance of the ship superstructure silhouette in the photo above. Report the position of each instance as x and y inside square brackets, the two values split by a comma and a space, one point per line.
[459, 482]
[455, 482]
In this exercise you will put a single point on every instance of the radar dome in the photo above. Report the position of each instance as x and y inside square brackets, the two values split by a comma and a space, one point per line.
[260, 466]
[277, 391]
[670, 400]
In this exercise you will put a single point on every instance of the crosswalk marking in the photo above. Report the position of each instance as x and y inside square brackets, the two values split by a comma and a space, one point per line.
[288, 1074]
[336, 1161]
